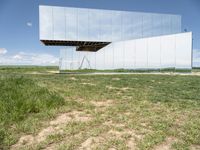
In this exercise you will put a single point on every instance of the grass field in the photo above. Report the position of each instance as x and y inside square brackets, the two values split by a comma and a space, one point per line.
[66, 111]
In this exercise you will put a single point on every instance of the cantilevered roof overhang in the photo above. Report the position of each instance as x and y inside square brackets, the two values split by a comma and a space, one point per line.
[92, 46]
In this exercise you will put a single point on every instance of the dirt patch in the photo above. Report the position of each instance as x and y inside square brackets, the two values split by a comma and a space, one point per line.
[34, 72]
[71, 116]
[119, 93]
[120, 134]
[113, 124]
[56, 145]
[91, 84]
[24, 140]
[46, 132]
[180, 118]
[55, 127]
[125, 88]
[53, 72]
[115, 133]
[166, 145]
[127, 113]
[105, 103]
[195, 147]
[112, 88]
[131, 144]
[127, 97]
[95, 142]
[91, 143]
[73, 78]
[28, 140]
[196, 73]
[116, 88]
[116, 79]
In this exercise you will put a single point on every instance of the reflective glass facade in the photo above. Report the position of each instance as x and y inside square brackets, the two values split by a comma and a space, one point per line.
[168, 51]
[81, 24]
[109, 39]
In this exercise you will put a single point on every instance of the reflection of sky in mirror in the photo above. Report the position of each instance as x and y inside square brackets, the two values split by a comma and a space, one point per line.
[171, 51]
[80, 24]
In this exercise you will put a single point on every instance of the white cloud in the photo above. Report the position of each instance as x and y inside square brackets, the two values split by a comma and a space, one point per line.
[23, 58]
[29, 24]
[3, 51]
[17, 56]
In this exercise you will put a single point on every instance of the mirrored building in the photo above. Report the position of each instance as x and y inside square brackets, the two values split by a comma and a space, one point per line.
[110, 39]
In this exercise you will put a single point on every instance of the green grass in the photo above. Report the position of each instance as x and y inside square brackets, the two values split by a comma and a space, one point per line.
[27, 69]
[20, 99]
[155, 107]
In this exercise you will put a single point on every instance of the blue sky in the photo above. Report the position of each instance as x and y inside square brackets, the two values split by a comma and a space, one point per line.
[19, 25]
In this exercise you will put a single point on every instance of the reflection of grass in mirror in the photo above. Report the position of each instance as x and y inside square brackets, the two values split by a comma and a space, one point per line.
[196, 69]
[145, 111]
[163, 70]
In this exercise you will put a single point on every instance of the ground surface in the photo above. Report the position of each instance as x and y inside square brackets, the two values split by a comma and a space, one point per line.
[43, 110]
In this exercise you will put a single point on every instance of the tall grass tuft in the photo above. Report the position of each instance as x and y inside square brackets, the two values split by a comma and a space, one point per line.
[21, 97]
